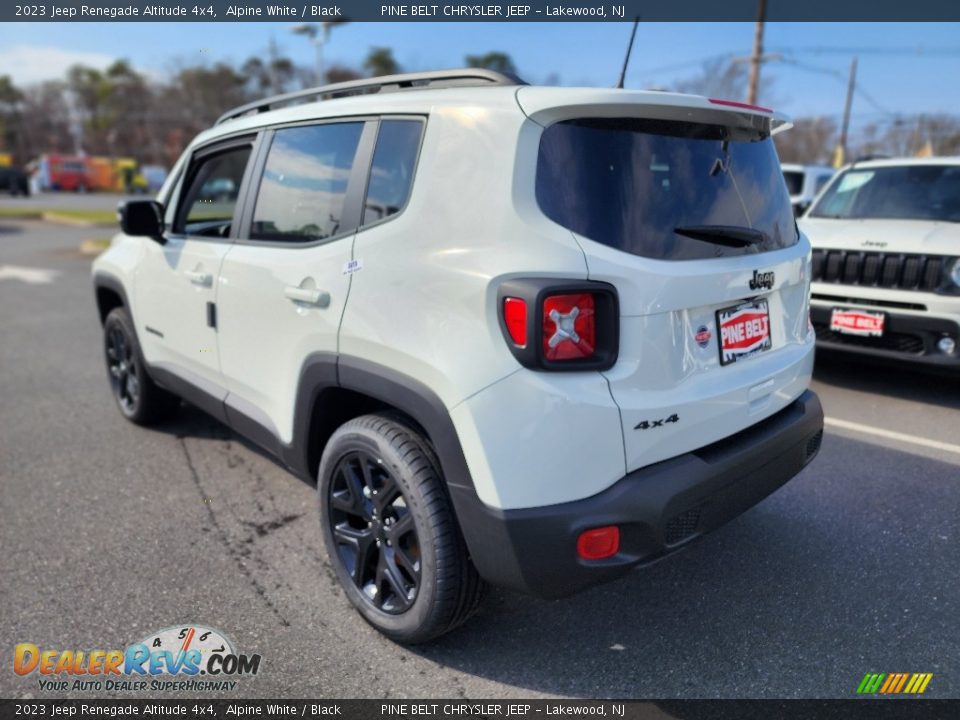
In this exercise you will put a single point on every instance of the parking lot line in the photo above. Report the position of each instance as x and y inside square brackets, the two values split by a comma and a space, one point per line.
[892, 435]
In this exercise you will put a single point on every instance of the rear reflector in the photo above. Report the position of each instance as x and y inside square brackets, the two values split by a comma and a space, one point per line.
[569, 326]
[741, 105]
[515, 318]
[599, 543]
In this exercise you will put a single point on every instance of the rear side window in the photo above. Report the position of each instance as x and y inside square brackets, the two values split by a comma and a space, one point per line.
[304, 186]
[630, 183]
[391, 174]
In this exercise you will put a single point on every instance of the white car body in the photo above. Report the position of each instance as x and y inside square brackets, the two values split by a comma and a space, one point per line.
[417, 293]
[921, 301]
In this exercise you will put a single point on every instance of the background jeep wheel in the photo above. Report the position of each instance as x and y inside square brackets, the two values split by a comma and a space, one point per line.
[391, 533]
[138, 397]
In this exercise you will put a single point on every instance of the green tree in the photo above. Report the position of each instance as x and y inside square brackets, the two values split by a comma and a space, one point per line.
[380, 62]
[10, 98]
[495, 60]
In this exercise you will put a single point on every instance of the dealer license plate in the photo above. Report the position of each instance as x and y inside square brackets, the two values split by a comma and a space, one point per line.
[744, 330]
[857, 322]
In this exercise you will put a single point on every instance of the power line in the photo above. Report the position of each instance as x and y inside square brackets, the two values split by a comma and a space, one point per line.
[836, 74]
[919, 50]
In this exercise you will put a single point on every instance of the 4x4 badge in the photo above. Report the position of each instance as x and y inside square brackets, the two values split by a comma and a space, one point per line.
[647, 424]
[761, 280]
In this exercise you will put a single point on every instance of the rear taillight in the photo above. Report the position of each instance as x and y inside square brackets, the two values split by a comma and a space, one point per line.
[515, 318]
[569, 327]
[556, 325]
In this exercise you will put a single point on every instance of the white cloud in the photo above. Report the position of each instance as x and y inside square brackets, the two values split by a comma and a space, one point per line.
[28, 64]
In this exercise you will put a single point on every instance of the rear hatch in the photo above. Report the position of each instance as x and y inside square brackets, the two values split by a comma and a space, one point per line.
[680, 203]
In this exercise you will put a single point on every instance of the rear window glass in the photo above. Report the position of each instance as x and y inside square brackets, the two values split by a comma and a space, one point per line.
[794, 182]
[630, 183]
[907, 192]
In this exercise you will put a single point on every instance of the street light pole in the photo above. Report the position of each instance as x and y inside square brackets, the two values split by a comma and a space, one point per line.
[318, 37]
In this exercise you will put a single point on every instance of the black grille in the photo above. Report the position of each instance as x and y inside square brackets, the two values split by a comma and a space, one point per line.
[898, 342]
[889, 270]
[682, 526]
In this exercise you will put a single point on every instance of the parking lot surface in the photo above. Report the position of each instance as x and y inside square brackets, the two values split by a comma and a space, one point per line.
[110, 532]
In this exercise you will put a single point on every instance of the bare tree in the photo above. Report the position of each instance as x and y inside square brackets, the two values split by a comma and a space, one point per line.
[810, 141]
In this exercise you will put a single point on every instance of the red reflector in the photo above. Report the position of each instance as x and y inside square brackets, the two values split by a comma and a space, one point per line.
[599, 543]
[515, 317]
[569, 327]
[744, 106]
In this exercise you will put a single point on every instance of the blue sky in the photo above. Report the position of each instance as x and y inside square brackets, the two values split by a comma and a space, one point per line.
[904, 67]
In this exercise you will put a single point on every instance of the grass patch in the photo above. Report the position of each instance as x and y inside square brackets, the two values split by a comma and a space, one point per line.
[97, 217]
[95, 246]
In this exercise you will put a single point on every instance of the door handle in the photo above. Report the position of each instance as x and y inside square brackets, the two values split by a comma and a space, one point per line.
[307, 295]
[200, 278]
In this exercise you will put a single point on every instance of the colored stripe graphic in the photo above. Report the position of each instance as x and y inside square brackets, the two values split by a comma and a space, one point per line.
[894, 683]
[870, 683]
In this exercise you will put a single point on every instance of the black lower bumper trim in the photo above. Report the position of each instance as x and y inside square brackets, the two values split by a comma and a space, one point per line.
[659, 508]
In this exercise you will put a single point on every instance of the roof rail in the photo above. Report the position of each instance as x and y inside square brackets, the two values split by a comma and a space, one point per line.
[386, 83]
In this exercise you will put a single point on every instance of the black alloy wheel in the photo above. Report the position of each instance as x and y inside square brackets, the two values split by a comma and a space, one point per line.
[374, 532]
[140, 399]
[123, 368]
[391, 532]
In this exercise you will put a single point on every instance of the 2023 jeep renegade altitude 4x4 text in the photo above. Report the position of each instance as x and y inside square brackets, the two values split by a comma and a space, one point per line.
[519, 335]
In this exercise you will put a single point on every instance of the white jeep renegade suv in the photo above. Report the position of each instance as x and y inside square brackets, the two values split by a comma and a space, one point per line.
[886, 261]
[523, 335]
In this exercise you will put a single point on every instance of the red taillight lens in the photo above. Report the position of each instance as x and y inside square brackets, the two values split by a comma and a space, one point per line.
[515, 318]
[599, 543]
[569, 327]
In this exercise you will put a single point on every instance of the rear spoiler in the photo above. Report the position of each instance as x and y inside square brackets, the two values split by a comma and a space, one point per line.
[547, 105]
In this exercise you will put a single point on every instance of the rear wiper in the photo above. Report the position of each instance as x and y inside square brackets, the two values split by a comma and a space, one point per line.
[734, 236]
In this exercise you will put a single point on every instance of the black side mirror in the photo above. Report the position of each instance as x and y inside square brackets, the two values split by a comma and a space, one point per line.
[801, 207]
[142, 217]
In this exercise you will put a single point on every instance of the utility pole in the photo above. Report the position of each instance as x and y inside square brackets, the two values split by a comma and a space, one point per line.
[841, 154]
[757, 56]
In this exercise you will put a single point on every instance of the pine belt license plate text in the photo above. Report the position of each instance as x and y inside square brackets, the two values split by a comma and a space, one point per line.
[744, 330]
[857, 322]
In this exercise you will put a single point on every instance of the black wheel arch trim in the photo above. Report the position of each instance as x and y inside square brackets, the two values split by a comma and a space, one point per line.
[106, 281]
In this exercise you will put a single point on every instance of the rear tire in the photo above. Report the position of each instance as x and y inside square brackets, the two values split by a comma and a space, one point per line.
[390, 531]
[139, 399]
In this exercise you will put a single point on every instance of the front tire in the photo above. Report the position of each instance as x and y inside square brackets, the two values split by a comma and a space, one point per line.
[139, 399]
[390, 531]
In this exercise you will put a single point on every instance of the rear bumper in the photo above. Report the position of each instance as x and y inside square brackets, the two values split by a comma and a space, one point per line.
[910, 338]
[659, 509]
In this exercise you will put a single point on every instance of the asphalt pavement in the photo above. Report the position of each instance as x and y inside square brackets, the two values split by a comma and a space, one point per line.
[109, 532]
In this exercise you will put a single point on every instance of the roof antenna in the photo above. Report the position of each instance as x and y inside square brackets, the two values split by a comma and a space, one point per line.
[626, 60]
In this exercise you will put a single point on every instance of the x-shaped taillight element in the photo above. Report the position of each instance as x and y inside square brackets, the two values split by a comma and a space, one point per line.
[566, 327]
